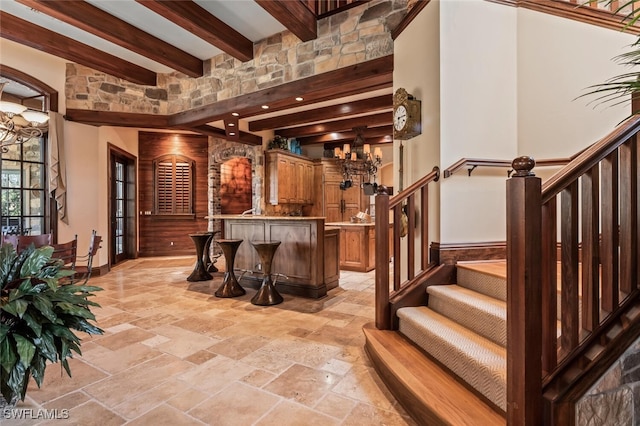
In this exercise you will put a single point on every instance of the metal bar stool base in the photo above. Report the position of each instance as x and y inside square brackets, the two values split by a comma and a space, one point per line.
[200, 271]
[267, 294]
[230, 286]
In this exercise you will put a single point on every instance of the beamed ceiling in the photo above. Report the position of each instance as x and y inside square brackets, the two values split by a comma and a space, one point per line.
[137, 39]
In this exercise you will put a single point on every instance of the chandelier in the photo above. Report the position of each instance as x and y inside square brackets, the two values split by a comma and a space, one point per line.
[18, 124]
[356, 158]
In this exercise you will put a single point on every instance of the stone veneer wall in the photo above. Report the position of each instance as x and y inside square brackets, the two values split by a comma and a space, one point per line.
[220, 151]
[615, 398]
[356, 35]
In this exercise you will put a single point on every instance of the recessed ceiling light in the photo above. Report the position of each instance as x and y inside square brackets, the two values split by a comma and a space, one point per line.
[232, 133]
[299, 98]
[235, 114]
[231, 124]
[265, 106]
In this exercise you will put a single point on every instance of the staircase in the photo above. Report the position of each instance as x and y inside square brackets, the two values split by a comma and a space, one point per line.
[464, 328]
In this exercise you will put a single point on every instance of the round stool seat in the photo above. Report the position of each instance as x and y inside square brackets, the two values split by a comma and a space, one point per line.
[230, 286]
[267, 294]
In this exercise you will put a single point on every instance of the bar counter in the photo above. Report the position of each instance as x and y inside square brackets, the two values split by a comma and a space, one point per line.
[308, 254]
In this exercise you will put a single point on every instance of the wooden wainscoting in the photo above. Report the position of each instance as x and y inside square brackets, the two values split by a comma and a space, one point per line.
[163, 235]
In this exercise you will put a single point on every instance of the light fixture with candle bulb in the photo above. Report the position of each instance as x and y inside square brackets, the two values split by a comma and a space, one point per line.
[356, 158]
[19, 124]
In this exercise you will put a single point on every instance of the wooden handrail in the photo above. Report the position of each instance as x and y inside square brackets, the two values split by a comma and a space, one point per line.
[588, 158]
[591, 206]
[488, 162]
[401, 208]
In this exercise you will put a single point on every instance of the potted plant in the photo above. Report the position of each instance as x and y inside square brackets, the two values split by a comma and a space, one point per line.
[37, 316]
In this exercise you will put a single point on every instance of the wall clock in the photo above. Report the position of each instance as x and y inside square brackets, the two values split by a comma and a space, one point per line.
[407, 116]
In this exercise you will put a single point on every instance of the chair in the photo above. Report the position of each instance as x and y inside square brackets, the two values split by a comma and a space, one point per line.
[37, 240]
[83, 271]
[67, 254]
[10, 239]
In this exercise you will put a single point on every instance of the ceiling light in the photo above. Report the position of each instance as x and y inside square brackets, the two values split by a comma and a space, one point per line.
[19, 124]
[265, 106]
[235, 114]
[299, 98]
[232, 133]
[356, 158]
[231, 124]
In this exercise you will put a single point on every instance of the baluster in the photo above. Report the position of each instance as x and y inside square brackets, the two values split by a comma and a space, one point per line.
[609, 245]
[411, 234]
[569, 266]
[424, 225]
[397, 264]
[628, 215]
[549, 281]
[590, 252]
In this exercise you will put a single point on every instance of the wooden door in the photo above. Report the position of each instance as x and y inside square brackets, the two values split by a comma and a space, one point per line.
[352, 197]
[122, 206]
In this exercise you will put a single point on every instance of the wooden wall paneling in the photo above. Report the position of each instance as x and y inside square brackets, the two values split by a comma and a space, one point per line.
[157, 233]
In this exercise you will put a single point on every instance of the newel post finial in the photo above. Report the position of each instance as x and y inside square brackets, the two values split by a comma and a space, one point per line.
[523, 166]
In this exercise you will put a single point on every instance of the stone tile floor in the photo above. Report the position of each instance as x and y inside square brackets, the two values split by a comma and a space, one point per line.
[174, 354]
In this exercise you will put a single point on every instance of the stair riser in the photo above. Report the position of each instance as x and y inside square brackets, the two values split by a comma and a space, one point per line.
[483, 283]
[490, 326]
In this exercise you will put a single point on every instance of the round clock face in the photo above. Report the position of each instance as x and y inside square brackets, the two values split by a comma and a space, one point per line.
[400, 118]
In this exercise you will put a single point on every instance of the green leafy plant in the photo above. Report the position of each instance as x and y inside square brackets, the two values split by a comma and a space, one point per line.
[620, 89]
[37, 316]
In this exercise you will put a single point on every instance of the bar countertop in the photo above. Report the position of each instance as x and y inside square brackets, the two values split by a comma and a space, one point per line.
[261, 217]
[350, 224]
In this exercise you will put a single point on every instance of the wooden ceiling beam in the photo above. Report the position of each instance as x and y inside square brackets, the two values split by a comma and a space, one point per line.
[151, 121]
[28, 34]
[89, 18]
[374, 120]
[355, 79]
[117, 119]
[198, 21]
[378, 140]
[294, 15]
[326, 113]
[242, 137]
[372, 132]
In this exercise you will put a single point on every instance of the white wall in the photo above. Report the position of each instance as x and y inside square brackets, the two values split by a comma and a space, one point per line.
[478, 64]
[508, 80]
[558, 59]
[416, 69]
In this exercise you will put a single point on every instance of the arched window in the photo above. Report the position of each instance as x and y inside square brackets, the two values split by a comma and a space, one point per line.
[23, 193]
[173, 180]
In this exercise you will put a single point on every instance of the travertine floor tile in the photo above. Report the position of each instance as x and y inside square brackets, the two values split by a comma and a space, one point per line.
[291, 414]
[240, 403]
[174, 354]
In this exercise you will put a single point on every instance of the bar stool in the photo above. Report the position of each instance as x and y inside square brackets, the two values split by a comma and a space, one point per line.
[210, 264]
[267, 293]
[200, 240]
[230, 286]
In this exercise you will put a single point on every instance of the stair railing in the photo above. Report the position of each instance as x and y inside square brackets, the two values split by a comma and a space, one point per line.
[395, 239]
[592, 205]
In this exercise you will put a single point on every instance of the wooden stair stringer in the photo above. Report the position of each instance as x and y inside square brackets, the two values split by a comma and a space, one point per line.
[425, 390]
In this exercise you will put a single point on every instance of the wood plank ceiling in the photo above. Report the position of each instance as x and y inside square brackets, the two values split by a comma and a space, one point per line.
[333, 103]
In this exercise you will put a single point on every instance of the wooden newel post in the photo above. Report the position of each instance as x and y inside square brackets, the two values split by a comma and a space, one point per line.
[524, 295]
[383, 320]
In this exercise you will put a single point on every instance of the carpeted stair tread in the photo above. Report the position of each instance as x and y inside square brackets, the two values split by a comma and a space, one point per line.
[476, 360]
[488, 284]
[478, 312]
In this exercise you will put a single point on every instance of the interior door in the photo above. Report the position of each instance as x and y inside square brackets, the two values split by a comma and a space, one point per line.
[122, 207]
